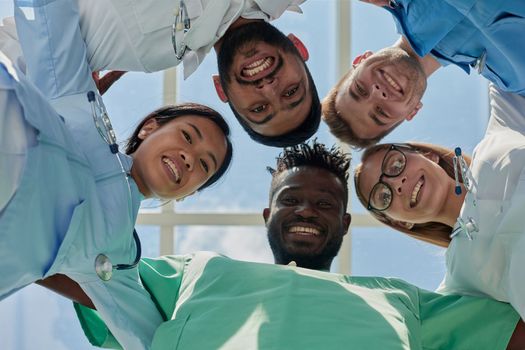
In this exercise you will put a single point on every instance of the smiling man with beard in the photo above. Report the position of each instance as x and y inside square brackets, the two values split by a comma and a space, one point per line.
[263, 77]
[307, 218]
[264, 74]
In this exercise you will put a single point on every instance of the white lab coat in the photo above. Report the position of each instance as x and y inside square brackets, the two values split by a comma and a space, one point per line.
[135, 35]
[492, 263]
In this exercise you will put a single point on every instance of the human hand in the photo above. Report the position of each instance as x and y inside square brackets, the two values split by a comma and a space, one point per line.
[382, 3]
[104, 83]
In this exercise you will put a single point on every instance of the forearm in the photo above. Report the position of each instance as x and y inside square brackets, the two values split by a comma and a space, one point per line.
[66, 287]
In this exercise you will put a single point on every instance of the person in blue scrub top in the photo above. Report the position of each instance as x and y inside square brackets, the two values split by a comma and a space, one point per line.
[68, 203]
[383, 89]
[477, 214]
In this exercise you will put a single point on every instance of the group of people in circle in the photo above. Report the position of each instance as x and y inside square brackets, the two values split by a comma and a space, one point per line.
[69, 198]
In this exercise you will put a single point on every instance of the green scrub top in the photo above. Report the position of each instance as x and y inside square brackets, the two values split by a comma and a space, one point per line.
[213, 302]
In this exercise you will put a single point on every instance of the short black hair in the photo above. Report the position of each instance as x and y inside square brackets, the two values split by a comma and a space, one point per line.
[300, 134]
[314, 155]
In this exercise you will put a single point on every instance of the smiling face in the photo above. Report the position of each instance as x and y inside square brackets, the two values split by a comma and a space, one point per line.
[264, 78]
[419, 193]
[176, 159]
[383, 90]
[306, 220]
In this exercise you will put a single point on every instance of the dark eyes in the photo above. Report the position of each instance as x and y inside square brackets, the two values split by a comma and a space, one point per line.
[360, 90]
[205, 166]
[324, 204]
[287, 94]
[188, 139]
[381, 111]
[259, 109]
[291, 92]
[290, 201]
[187, 136]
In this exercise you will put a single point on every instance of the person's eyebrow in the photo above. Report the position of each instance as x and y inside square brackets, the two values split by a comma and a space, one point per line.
[264, 120]
[300, 189]
[376, 119]
[199, 135]
[197, 131]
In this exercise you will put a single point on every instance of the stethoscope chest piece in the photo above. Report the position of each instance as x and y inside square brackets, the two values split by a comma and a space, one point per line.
[103, 267]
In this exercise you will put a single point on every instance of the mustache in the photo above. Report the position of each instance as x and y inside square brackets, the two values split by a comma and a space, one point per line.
[280, 64]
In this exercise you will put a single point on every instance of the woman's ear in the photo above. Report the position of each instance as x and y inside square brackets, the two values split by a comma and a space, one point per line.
[148, 128]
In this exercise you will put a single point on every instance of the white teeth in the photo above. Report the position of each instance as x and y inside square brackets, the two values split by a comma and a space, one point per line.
[417, 188]
[257, 66]
[304, 231]
[172, 167]
[256, 63]
[392, 82]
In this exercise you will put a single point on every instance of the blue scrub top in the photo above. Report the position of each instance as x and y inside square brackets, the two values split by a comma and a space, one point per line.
[481, 34]
[73, 201]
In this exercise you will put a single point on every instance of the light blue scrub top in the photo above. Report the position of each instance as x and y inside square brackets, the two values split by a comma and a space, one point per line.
[460, 32]
[73, 202]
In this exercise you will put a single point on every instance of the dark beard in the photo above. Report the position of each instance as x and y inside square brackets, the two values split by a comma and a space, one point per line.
[320, 261]
[236, 39]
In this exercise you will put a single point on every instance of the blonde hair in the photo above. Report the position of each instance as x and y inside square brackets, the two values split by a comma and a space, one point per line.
[431, 232]
[339, 127]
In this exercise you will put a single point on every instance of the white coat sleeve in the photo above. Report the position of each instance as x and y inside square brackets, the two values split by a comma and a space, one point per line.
[507, 111]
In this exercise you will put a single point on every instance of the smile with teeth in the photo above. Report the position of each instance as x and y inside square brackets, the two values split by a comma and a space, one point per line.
[415, 193]
[392, 83]
[257, 67]
[304, 231]
[173, 168]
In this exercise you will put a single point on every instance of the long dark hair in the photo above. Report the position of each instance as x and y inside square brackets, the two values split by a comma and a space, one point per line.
[168, 113]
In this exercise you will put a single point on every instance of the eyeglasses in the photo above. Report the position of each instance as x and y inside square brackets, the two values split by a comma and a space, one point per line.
[393, 164]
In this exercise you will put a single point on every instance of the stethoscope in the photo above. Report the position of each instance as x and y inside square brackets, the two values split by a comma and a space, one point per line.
[181, 24]
[103, 265]
[460, 166]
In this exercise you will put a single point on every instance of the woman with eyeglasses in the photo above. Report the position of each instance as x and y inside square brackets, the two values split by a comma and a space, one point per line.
[478, 214]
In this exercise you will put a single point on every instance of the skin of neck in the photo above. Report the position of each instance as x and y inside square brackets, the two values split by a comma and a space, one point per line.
[138, 181]
[452, 208]
[428, 63]
[237, 23]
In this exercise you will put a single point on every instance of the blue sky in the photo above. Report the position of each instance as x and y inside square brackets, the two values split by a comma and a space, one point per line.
[454, 114]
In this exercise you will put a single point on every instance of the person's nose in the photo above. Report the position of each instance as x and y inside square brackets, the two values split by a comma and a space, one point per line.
[268, 86]
[379, 91]
[187, 159]
[306, 210]
[397, 183]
